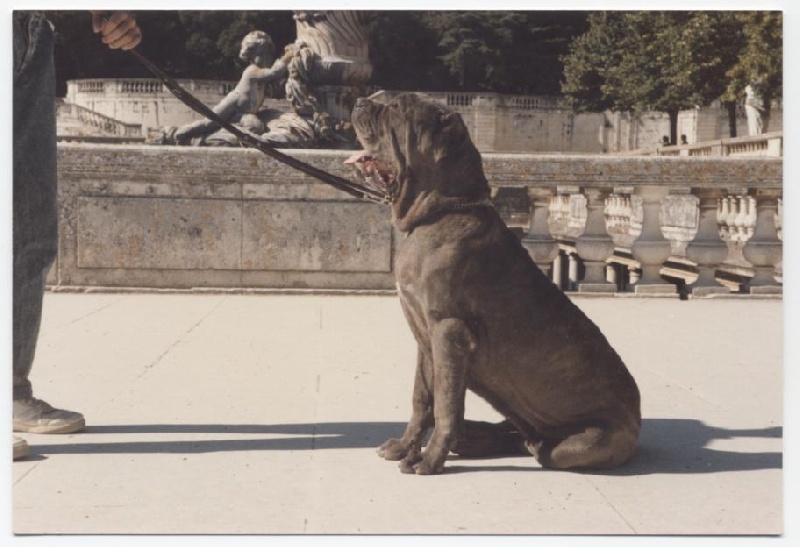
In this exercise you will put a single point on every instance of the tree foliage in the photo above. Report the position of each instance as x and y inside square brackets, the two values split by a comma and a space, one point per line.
[187, 44]
[671, 60]
[504, 51]
[760, 58]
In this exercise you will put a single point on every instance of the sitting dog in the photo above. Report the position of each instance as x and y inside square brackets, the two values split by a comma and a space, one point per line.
[484, 316]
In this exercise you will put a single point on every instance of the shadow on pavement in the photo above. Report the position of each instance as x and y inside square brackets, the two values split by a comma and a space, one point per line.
[280, 437]
[678, 446]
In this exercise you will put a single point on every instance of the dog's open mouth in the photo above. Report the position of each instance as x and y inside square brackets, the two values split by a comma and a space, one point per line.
[374, 171]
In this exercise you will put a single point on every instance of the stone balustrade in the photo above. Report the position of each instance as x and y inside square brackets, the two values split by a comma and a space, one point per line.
[520, 102]
[768, 144]
[144, 101]
[178, 217]
[104, 125]
[145, 86]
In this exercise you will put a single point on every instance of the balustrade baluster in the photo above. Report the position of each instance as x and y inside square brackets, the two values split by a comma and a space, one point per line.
[651, 249]
[764, 249]
[707, 250]
[538, 241]
[595, 246]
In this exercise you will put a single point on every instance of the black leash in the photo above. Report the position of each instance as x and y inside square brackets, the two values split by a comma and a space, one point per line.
[249, 141]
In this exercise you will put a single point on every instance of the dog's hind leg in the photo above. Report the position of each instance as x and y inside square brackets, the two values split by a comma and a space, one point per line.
[483, 439]
[592, 448]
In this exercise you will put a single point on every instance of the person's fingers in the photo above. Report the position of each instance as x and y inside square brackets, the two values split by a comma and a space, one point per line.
[97, 20]
[113, 29]
[121, 32]
[129, 40]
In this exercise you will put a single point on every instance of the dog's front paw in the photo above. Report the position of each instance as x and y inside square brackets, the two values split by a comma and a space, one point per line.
[429, 466]
[394, 449]
[408, 464]
[420, 465]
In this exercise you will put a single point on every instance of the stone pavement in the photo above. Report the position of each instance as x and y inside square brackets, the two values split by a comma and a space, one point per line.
[259, 414]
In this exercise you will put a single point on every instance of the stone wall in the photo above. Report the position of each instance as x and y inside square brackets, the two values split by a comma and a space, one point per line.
[198, 217]
[183, 217]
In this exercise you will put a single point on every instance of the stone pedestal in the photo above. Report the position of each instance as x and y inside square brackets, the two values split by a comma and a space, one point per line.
[707, 249]
[541, 246]
[595, 246]
[763, 250]
[334, 70]
[651, 249]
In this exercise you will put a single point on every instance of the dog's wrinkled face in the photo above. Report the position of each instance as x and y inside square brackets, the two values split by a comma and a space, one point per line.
[413, 140]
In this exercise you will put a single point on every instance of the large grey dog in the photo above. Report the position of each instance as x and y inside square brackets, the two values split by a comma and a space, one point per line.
[484, 316]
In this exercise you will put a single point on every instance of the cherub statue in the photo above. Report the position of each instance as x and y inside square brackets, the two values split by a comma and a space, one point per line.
[309, 124]
[242, 106]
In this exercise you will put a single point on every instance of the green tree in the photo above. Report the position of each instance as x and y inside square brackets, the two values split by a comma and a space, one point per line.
[591, 60]
[535, 58]
[473, 46]
[402, 48]
[662, 61]
[506, 51]
[186, 44]
[510, 52]
[760, 59]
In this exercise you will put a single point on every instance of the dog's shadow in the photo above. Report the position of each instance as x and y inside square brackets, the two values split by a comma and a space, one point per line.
[666, 445]
[681, 446]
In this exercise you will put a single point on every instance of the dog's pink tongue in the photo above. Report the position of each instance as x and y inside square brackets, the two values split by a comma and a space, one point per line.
[355, 158]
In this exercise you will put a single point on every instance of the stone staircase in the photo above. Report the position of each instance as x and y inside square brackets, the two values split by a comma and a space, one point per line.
[77, 122]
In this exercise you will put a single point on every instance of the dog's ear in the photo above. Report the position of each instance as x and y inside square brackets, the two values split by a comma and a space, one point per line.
[451, 127]
[451, 119]
[400, 157]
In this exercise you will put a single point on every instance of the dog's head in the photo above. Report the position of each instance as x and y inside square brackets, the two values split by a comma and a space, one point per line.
[416, 150]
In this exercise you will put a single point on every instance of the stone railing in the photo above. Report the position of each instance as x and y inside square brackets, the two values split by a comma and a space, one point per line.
[174, 217]
[145, 86]
[467, 100]
[140, 86]
[144, 101]
[104, 124]
[768, 144]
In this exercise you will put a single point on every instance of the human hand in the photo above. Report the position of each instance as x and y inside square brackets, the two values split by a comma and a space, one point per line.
[288, 53]
[119, 29]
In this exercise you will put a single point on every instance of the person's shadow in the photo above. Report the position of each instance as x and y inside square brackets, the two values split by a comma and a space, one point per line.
[665, 445]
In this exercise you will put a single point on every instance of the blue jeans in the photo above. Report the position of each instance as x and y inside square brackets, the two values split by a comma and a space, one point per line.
[35, 215]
